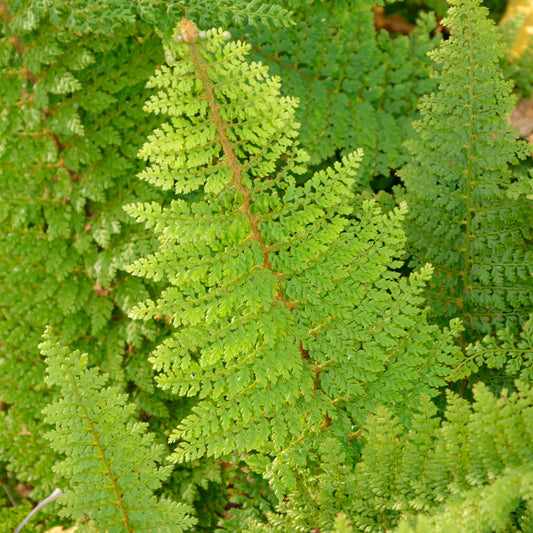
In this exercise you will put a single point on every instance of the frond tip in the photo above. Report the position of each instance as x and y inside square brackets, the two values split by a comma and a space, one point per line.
[110, 460]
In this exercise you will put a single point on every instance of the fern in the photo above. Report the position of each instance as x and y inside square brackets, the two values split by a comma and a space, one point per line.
[11, 517]
[70, 128]
[471, 472]
[65, 155]
[224, 12]
[479, 463]
[512, 354]
[367, 99]
[295, 358]
[289, 318]
[484, 509]
[110, 459]
[457, 180]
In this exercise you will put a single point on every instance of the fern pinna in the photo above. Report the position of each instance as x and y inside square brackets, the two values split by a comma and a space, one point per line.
[461, 218]
[289, 316]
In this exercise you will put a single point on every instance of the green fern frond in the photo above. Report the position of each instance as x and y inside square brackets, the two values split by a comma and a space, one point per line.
[110, 460]
[471, 472]
[511, 353]
[11, 517]
[461, 219]
[265, 13]
[289, 318]
[67, 149]
[368, 99]
[478, 463]
[481, 509]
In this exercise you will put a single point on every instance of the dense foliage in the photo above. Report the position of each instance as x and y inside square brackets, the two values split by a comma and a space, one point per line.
[249, 328]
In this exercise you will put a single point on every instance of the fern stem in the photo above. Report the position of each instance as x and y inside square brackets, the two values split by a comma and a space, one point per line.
[234, 166]
[236, 172]
[468, 198]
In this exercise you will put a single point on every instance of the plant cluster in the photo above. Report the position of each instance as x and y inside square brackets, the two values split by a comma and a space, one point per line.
[247, 328]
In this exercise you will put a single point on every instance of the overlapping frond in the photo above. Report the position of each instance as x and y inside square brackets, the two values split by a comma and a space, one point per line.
[470, 472]
[461, 218]
[368, 99]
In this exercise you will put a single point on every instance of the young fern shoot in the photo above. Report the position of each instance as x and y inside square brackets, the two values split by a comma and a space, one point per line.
[289, 318]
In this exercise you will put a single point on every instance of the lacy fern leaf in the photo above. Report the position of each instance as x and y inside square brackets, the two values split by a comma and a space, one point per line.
[110, 460]
[289, 316]
[461, 218]
[473, 473]
[368, 99]
[227, 12]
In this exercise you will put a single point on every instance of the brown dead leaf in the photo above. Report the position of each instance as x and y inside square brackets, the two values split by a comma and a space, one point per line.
[23, 489]
[393, 23]
[99, 289]
[522, 119]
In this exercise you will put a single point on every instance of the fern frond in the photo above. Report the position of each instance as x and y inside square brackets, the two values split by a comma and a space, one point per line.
[478, 463]
[471, 472]
[511, 353]
[289, 318]
[265, 13]
[67, 149]
[367, 99]
[461, 219]
[488, 508]
[110, 460]
[11, 517]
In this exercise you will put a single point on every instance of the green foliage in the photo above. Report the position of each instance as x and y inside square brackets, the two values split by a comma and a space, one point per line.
[110, 460]
[70, 128]
[11, 517]
[224, 12]
[512, 354]
[367, 99]
[456, 182]
[289, 317]
[470, 473]
[479, 462]
[66, 152]
[296, 359]
[485, 509]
